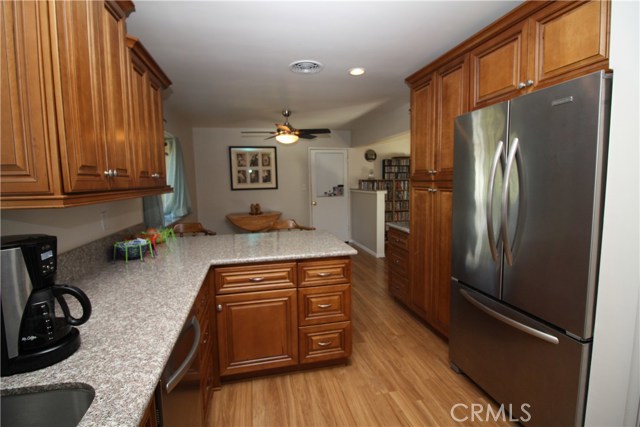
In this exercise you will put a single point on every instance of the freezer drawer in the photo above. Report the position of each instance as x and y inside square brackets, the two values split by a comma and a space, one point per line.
[543, 382]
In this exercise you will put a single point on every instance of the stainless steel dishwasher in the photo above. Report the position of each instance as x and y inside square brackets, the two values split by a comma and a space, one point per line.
[179, 397]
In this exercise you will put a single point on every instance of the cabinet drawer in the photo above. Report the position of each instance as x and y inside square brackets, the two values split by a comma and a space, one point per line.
[324, 272]
[324, 304]
[398, 239]
[325, 342]
[399, 263]
[255, 277]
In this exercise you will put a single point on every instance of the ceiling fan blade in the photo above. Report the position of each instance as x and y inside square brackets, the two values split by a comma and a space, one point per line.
[306, 136]
[315, 131]
[269, 137]
[265, 131]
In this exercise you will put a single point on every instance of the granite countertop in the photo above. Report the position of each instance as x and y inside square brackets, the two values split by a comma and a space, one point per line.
[402, 225]
[139, 309]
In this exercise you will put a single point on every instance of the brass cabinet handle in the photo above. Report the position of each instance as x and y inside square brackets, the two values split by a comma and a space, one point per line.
[324, 305]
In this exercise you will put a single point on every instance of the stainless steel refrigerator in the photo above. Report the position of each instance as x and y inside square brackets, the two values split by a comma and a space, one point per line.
[527, 205]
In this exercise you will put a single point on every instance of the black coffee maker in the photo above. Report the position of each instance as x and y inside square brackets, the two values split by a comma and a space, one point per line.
[33, 335]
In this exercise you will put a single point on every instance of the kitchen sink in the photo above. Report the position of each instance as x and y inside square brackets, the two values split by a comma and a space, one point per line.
[61, 407]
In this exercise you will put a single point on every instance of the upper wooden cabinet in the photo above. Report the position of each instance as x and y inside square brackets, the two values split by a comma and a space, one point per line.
[147, 81]
[434, 105]
[27, 110]
[559, 42]
[66, 118]
[94, 147]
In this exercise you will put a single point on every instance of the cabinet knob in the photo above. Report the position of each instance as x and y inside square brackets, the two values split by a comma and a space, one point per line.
[529, 83]
[522, 85]
[110, 173]
[219, 308]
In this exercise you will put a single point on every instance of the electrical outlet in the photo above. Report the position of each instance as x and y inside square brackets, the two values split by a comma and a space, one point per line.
[104, 220]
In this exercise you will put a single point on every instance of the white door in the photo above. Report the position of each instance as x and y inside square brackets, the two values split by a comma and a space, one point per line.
[328, 190]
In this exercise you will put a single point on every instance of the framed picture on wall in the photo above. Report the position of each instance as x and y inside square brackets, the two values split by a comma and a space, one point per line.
[253, 168]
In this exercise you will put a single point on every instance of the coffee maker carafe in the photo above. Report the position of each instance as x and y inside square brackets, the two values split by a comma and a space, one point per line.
[34, 335]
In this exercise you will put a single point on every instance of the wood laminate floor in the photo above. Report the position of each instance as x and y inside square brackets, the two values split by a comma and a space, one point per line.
[398, 375]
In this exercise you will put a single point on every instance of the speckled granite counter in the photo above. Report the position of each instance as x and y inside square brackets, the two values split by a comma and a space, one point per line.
[402, 226]
[139, 309]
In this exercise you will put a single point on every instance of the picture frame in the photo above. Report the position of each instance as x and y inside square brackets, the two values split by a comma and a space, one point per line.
[253, 168]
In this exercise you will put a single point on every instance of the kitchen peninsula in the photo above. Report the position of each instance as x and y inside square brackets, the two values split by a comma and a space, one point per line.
[139, 309]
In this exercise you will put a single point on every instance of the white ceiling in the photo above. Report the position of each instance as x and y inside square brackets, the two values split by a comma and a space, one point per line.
[229, 60]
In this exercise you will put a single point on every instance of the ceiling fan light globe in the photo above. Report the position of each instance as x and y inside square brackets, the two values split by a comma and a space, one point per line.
[286, 138]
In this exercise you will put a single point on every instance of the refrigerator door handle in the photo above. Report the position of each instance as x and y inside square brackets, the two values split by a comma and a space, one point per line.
[504, 319]
[514, 154]
[499, 154]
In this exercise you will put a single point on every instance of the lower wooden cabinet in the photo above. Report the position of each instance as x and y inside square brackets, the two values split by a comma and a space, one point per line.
[257, 331]
[398, 264]
[430, 239]
[325, 342]
[282, 315]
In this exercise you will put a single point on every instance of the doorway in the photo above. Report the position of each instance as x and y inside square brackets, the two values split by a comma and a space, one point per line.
[328, 169]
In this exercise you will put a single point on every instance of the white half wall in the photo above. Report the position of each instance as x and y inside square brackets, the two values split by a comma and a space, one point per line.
[215, 198]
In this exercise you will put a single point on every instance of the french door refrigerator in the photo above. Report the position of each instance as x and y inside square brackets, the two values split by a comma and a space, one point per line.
[527, 205]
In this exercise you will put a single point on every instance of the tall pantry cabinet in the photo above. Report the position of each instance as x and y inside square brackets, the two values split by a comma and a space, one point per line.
[536, 45]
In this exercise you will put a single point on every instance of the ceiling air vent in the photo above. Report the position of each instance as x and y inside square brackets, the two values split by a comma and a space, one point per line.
[306, 67]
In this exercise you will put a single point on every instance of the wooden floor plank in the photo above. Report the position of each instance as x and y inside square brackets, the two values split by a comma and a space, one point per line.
[398, 375]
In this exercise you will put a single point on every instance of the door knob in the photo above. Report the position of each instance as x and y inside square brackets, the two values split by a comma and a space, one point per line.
[314, 203]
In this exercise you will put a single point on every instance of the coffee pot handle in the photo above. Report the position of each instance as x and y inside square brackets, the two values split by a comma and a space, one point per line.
[60, 290]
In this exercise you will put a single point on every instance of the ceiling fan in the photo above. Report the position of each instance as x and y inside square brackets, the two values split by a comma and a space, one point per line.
[287, 134]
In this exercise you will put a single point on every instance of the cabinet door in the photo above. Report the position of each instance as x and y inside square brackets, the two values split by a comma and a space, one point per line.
[80, 31]
[452, 99]
[156, 132]
[27, 108]
[422, 130]
[431, 253]
[441, 266]
[498, 67]
[139, 126]
[422, 244]
[115, 90]
[257, 331]
[568, 39]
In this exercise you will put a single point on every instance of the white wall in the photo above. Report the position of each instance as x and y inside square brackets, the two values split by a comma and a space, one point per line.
[74, 227]
[614, 387]
[392, 118]
[215, 198]
[393, 146]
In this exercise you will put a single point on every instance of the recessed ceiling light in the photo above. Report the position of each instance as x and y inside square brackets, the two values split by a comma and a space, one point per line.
[357, 71]
[306, 66]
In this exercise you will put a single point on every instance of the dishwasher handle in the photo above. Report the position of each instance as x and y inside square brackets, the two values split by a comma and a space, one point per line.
[175, 378]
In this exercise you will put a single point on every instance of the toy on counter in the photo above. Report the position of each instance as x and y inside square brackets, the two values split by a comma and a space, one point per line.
[132, 249]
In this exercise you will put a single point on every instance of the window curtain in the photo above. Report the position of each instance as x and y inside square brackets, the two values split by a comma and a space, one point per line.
[176, 204]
